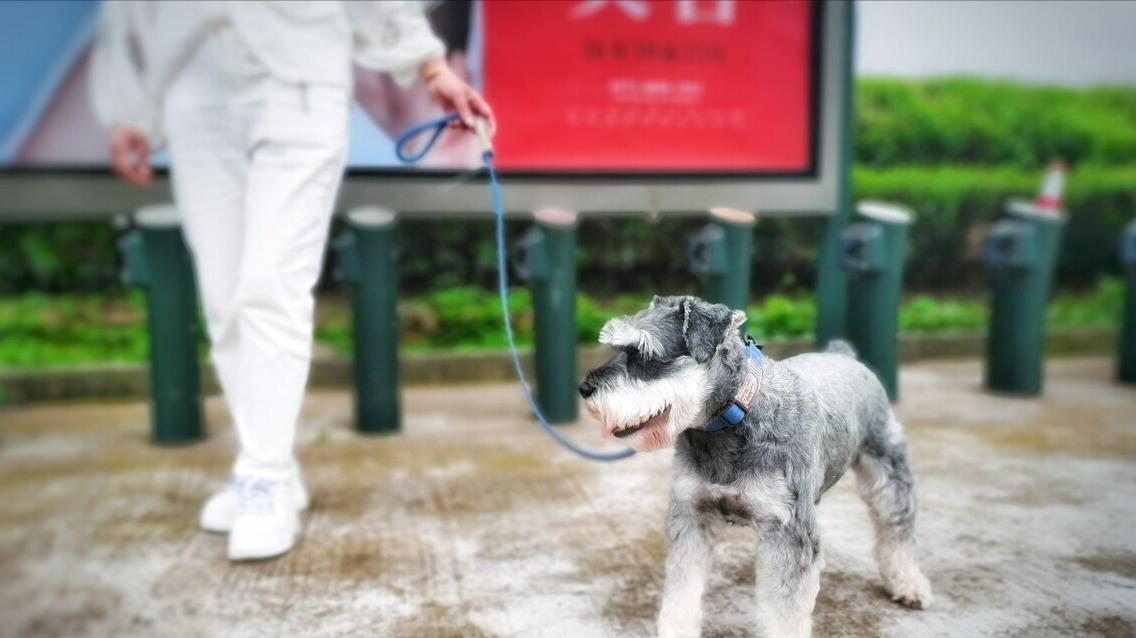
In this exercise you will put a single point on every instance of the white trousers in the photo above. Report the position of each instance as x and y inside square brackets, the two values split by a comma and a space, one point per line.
[256, 163]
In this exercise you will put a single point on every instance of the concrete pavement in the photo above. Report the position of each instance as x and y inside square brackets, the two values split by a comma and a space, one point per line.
[472, 523]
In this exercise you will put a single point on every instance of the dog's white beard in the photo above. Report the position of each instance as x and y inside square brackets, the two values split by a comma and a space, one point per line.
[633, 401]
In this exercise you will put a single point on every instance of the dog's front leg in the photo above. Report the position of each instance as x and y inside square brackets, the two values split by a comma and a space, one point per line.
[688, 559]
[788, 575]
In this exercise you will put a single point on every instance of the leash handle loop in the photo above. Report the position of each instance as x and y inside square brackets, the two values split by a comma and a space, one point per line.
[437, 125]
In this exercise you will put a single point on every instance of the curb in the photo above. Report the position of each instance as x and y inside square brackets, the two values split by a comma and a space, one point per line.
[131, 380]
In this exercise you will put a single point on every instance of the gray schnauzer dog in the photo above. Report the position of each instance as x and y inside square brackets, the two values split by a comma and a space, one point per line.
[757, 442]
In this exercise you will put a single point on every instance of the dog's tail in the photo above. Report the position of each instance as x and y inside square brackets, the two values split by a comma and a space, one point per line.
[840, 346]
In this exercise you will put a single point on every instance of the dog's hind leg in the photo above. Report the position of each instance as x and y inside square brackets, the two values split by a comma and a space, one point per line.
[886, 483]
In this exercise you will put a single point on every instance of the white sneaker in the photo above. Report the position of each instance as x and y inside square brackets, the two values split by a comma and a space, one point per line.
[266, 522]
[219, 511]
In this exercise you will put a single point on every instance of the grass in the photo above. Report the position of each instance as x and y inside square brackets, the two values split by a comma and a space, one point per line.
[38, 330]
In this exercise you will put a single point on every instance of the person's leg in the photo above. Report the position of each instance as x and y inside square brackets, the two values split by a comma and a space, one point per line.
[208, 133]
[297, 147]
[296, 143]
[209, 173]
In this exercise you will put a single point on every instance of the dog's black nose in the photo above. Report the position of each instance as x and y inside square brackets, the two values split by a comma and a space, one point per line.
[587, 389]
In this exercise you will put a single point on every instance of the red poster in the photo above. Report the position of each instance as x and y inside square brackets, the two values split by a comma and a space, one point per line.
[651, 86]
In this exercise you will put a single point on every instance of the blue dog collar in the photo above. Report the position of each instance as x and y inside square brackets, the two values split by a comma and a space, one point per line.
[737, 408]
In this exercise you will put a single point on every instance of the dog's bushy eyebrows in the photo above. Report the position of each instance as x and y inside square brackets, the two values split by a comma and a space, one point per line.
[655, 332]
[671, 327]
[664, 327]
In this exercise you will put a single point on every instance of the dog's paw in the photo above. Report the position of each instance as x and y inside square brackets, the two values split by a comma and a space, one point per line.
[671, 632]
[678, 628]
[912, 590]
[903, 579]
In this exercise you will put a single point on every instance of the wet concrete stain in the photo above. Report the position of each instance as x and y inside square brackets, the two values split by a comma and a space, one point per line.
[1121, 563]
[441, 621]
[1065, 432]
[633, 570]
[72, 617]
[967, 585]
[1064, 623]
[849, 605]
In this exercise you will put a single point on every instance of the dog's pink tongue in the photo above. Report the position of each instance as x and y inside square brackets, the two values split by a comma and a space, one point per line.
[607, 430]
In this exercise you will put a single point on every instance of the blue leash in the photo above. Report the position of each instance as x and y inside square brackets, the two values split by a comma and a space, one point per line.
[438, 125]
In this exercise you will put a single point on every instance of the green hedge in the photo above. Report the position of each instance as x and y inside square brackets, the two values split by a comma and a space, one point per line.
[954, 204]
[50, 257]
[973, 121]
[952, 149]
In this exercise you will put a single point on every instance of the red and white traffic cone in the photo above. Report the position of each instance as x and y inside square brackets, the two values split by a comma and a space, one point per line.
[1049, 195]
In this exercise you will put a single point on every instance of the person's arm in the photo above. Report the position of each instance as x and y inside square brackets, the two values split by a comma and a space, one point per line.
[393, 36]
[396, 37]
[118, 93]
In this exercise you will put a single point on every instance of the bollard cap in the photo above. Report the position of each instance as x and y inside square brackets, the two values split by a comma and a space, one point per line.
[885, 212]
[371, 216]
[158, 216]
[1030, 210]
[733, 215]
[556, 216]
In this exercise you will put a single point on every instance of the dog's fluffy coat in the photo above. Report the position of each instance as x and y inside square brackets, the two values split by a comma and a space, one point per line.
[816, 415]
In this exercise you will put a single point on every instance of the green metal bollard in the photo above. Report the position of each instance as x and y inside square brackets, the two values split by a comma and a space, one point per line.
[872, 255]
[832, 285]
[720, 256]
[545, 257]
[366, 252]
[1126, 366]
[157, 261]
[1021, 252]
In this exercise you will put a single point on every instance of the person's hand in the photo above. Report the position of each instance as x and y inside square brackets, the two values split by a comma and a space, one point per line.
[130, 155]
[453, 94]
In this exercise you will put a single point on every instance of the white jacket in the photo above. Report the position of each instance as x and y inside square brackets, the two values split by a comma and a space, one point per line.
[141, 46]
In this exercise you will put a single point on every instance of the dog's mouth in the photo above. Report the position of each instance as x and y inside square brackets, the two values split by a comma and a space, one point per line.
[659, 417]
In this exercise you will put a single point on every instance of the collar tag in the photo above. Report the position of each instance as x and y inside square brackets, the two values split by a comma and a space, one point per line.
[733, 413]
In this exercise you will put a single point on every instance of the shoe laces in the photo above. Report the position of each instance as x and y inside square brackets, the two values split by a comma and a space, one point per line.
[254, 495]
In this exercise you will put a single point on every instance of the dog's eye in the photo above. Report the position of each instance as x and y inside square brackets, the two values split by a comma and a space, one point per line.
[644, 367]
[640, 363]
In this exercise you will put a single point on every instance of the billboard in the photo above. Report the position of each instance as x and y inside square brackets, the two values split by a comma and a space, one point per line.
[613, 105]
[682, 86]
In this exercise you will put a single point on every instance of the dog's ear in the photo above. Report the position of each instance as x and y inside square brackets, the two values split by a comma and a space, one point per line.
[737, 318]
[666, 302]
[705, 326]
